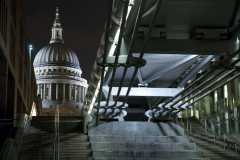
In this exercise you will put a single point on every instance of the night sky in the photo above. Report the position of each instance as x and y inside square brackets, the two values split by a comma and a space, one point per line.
[83, 22]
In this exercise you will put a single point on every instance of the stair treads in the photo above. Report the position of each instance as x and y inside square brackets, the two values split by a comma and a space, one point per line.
[168, 129]
[126, 129]
[73, 146]
[138, 139]
[141, 141]
[144, 147]
[176, 128]
[163, 132]
[145, 155]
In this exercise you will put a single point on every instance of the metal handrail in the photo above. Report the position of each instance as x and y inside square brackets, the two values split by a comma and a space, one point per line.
[216, 139]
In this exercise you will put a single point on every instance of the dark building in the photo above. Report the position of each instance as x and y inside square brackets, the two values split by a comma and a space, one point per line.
[165, 85]
[17, 83]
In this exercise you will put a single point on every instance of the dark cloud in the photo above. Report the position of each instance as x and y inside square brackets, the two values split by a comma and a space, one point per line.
[83, 23]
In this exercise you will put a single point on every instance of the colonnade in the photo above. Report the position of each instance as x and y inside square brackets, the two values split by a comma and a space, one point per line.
[62, 92]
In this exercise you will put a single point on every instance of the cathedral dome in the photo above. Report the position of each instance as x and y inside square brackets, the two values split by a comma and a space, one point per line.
[56, 54]
[58, 73]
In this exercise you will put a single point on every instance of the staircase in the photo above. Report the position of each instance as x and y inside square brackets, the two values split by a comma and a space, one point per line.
[66, 124]
[38, 144]
[141, 141]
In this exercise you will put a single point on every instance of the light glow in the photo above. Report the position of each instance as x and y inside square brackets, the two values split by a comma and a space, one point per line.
[225, 91]
[94, 98]
[215, 97]
[114, 44]
[33, 112]
[95, 94]
[197, 114]
[116, 37]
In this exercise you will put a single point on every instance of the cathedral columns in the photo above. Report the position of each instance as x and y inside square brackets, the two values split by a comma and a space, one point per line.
[61, 82]
[38, 89]
[83, 93]
[50, 91]
[75, 96]
[80, 91]
[78, 94]
[70, 92]
[44, 91]
[42, 85]
[56, 91]
[64, 93]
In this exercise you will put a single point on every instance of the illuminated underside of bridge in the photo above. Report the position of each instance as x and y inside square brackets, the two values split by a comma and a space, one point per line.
[161, 58]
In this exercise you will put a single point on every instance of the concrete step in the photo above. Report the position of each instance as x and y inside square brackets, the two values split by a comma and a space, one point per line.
[138, 139]
[183, 147]
[141, 141]
[143, 158]
[177, 129]
[150, 154]
[66, 124]
[73, 146]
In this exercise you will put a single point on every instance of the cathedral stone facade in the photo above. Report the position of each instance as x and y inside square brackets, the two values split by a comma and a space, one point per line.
[58, 72]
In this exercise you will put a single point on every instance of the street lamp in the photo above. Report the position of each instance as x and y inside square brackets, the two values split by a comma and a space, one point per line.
[30, 49]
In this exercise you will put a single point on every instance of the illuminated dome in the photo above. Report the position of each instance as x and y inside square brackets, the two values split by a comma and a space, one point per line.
[56, 54]
[58, 72]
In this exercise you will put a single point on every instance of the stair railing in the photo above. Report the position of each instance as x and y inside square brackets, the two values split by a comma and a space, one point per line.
[214, 139]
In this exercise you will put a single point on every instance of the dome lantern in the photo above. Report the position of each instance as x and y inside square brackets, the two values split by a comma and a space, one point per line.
[57, 30]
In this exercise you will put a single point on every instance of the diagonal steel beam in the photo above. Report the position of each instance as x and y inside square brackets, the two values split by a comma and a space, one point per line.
[167, 69]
